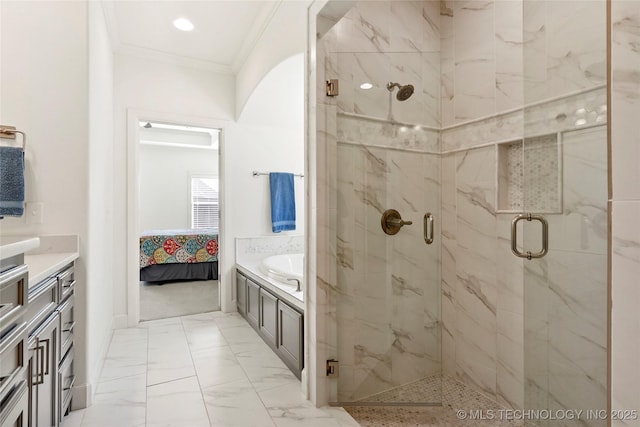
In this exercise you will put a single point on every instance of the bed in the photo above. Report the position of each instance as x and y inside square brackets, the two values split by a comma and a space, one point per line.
[174, 255]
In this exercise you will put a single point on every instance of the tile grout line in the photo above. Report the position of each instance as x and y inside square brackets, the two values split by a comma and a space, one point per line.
[235, 356]
[146, 387]
[196, 372]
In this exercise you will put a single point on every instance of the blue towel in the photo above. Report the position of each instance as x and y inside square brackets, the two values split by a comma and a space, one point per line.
[11, 181]
[283, 202]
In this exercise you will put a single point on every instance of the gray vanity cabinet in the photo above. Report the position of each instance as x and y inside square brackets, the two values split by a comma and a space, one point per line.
[253, 303]
[278, 323]
[241, 294]
[290, 337]
[268, 325]
[50, 321]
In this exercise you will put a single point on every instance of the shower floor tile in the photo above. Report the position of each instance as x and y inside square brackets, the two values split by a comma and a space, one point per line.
[462, 406]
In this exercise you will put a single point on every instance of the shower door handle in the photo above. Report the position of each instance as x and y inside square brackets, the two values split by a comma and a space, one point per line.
[514, 236]
[427, 223]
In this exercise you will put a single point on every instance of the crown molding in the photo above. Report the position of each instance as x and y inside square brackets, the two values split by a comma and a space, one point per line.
[169, 58]
[109, 12]
[261, 23]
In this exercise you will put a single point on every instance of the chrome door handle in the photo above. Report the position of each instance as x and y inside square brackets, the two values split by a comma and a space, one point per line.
[514, 236]
[427, 223]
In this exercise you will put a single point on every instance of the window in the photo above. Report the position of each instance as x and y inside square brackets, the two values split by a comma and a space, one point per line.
[205, 206]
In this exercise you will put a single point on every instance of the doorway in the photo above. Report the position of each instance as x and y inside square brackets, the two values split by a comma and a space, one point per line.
[178, 219]
[175, 199]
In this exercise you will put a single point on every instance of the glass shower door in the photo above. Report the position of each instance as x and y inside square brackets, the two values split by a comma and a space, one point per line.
[388, 304]
[387, 157]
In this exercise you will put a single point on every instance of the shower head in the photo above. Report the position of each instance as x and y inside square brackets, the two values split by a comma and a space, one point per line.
[404, 92]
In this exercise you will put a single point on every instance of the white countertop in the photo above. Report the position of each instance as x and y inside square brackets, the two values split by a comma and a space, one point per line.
[44, 255]
[14, 245]
[42, 266]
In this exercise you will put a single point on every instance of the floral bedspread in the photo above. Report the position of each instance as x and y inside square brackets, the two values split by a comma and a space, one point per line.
[178, 246]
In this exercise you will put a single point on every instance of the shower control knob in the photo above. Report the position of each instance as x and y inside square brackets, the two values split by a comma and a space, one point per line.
[392, 222]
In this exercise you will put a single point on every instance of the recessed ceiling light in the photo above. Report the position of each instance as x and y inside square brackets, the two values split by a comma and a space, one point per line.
[366, 86]
[183, 24]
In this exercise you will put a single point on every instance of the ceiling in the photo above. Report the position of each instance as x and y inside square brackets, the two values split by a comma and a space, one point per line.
[225, 30]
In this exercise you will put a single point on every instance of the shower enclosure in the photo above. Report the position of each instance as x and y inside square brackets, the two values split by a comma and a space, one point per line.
[498, 159]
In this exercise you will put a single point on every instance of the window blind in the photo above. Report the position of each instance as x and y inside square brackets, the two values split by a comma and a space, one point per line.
[205, 206]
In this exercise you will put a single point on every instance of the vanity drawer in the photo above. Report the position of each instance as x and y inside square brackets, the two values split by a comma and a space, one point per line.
[13, 359]
[67, 280]
[14, 285]
[43, 300]
[67, 324]
[14, 410]
[66, 380]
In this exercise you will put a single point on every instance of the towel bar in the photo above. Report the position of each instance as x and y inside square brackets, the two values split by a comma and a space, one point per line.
[256, 173]
[9, 132]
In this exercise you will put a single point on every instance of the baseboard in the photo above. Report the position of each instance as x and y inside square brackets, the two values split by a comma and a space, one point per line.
[81, 396]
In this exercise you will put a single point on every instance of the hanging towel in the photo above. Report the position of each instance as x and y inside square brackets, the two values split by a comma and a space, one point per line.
[283, 202]
[11, 181]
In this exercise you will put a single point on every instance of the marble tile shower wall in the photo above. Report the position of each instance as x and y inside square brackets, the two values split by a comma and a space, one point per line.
[383, 41]
[484, 88]
[493, 300]
[484, 66]
[625, 208]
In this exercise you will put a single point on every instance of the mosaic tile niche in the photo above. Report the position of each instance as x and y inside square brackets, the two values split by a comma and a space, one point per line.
[535, 165]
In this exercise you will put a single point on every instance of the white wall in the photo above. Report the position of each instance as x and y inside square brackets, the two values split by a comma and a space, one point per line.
[160, 90]
[100, 242]
[155, 90]
[165, 174]
[284, 37]
[45, 92]
[272, 129]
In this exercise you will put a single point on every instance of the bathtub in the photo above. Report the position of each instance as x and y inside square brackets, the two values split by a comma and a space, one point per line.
[284, 267]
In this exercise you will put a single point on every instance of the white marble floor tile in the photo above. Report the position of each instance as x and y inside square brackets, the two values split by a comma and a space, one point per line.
[262, 366]
[203, 337]
[217, 365]
[228, 320]
[242, 334]
[236, 404]
[102, 414]
[162, 326]
[123, 366]
[340, 415]
[176, 403]
[120, 402]
[288, 407]
[127, 391]
[74, 419]
[169, 357]
[232, 378]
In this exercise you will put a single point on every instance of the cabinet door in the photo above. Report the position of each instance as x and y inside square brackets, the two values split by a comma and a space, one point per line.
[290, 337]
[268, 317]
[241, 293]
[67, 325]
[253, 303]
[45, 366]
[14, 412]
